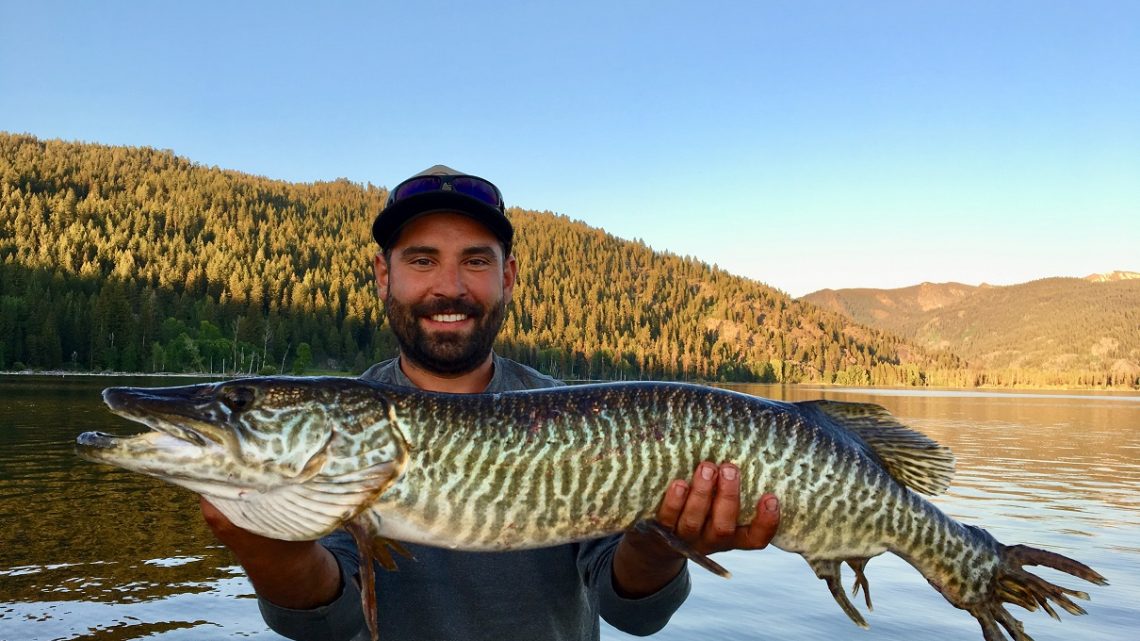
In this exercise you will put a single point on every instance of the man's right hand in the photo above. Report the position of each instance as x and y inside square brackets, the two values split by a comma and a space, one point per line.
[300, 575]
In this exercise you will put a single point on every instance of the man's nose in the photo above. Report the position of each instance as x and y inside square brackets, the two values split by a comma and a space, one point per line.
[449, 282]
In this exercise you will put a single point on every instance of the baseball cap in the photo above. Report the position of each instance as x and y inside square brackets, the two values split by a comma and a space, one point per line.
[441, 188]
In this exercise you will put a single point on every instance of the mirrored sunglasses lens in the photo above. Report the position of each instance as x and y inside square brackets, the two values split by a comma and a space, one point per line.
[476, 188]
[418, 186]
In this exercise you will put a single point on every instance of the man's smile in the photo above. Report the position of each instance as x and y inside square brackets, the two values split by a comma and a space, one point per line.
[448, 318]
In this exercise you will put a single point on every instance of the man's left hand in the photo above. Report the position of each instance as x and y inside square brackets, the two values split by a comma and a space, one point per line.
[703, 514]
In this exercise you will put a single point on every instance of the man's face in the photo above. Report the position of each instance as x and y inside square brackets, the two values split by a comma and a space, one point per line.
[445, 288]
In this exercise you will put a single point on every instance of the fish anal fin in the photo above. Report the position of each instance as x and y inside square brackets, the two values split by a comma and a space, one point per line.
[828, 570]
[910, 457]
[681, 547]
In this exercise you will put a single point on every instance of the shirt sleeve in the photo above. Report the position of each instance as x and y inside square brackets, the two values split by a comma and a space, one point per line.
[641, 616]
[341, 620]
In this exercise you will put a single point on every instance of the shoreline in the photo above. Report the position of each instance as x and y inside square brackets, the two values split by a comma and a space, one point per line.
[62, 373]
[987, 388]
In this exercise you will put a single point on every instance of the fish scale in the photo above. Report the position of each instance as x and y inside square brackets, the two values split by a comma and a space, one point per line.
[577, 440]
[295, 458]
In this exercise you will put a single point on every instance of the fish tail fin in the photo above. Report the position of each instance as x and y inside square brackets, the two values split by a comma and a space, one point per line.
[1013, 584]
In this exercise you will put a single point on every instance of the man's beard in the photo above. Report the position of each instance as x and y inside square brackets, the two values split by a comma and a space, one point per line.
[446, 353]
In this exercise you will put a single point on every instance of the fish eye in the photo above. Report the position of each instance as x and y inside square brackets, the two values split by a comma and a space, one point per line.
[237, 398]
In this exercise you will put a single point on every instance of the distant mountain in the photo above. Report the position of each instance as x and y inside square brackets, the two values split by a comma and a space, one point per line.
[1112, 276]
[891, 309]
[1063, 324]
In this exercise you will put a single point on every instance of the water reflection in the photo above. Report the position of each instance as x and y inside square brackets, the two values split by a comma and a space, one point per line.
[219, 608]
[93, 552]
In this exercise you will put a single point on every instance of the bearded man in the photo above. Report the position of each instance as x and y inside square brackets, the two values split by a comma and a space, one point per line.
[445, 273]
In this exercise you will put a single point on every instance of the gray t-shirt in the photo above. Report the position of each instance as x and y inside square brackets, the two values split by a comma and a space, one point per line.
[554, 593]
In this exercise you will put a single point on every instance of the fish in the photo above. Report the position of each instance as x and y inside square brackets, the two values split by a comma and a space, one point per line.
[296, 458]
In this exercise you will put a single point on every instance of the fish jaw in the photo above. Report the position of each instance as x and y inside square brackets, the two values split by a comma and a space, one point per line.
[180, 444]
[191, 412]
[156, 453]
[207, 435]
[273, 454]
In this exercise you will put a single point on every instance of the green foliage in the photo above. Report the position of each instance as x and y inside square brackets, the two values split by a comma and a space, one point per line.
[304, 358]
[135, 259]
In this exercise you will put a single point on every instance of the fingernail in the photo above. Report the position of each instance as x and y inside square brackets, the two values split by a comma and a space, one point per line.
[706, 472]
[771, 504]
[679, 489]
[728, 472]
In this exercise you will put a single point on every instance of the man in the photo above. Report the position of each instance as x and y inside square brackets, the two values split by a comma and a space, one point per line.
[446, 273]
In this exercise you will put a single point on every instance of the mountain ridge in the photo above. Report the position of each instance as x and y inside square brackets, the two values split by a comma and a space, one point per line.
[1051, 323]
[1112, 276]
[136, 259]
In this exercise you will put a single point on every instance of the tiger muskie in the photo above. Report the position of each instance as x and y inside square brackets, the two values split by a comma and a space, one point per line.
[297, 458]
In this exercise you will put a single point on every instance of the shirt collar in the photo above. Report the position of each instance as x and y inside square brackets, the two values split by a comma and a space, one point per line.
[494, 385]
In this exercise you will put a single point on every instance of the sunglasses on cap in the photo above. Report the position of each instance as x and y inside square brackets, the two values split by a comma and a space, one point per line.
[471, 186]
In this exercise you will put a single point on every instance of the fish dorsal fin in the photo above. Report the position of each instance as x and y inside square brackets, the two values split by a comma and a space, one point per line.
[911, 458]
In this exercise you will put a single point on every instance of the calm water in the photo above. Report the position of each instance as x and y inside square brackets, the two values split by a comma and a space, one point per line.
[91, 552]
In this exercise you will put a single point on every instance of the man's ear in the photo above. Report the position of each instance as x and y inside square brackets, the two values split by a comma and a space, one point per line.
[380, 269]
[510, 275]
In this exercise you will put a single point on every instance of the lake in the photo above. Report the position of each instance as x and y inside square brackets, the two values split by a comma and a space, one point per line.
[93, 552]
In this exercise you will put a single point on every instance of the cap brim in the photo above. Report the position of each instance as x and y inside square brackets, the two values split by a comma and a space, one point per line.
[389, 221]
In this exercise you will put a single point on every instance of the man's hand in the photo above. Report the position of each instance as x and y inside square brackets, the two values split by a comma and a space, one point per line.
[292, 574]
[703, 514]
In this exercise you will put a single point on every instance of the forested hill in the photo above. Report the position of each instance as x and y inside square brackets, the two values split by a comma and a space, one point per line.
[117, 258]
[1089, 324]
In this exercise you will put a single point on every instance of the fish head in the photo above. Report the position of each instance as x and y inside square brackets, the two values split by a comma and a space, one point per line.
[324, 447]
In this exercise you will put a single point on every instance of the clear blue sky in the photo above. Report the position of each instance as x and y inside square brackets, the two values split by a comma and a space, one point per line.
[802, 144]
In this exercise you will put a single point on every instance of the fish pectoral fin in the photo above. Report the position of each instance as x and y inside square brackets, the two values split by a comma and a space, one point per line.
[359, 530]
[910, 457]
[828, 570]
[371, 547]
[681, 547]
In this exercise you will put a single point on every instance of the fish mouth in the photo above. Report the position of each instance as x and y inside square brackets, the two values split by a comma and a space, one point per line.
[179, 417]
[100, 440]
